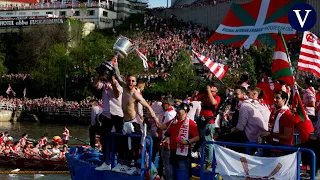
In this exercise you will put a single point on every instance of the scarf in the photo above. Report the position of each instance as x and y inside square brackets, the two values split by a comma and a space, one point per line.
[182, 149]
[276, 124]
[312, 90]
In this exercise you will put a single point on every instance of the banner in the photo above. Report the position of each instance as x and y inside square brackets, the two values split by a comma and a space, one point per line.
[232, 165]
[256, 23]
[30, 22]
[310, 54]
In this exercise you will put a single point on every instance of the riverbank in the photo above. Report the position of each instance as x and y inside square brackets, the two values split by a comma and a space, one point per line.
[80, 116]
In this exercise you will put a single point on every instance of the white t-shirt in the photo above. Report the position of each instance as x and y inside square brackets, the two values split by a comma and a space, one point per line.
[169, 115]
[194, 109]
[55, 151]
[115, 103]
[110, 104]
[159, 112]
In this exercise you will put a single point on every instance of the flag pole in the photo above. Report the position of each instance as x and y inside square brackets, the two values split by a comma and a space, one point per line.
[287, 53]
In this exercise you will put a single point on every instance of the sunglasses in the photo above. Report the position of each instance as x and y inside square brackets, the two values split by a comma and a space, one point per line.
[131, 80]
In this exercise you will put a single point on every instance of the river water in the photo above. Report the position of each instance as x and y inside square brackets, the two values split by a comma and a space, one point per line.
[35, 131]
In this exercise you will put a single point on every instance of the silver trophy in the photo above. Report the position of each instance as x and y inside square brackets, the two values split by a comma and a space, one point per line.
[124, 46]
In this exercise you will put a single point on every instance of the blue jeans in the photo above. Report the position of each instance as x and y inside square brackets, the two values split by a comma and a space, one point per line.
[179, 163]
[208, 149]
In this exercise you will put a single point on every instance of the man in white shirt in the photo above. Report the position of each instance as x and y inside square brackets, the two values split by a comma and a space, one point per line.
[94, 126]
[195, 108]
[111, 100]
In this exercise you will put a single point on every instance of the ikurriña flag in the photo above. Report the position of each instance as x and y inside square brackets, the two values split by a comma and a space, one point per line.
[309, 58]
[219, 70]
[281, 65]
[298, 105]
[256, 22]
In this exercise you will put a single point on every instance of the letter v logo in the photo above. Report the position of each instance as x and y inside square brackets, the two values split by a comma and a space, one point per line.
[302, 17]
[302, 22]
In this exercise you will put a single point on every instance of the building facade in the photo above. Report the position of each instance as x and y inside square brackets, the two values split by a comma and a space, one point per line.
[105, 14]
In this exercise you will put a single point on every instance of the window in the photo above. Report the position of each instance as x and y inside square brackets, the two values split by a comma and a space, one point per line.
[49, 12]
[62, 13]
[105, 14]
[35, 13]
[9, 13]
[76, 13]
[22, 13]
[90, 13]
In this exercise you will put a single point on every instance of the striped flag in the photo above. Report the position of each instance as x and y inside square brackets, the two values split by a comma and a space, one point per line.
[281, 65]
[143, 58]
[309, 59]
[219, 70]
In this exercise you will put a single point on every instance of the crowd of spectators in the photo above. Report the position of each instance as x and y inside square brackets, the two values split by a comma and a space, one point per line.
[164, 37]
[198, 3]
[45, 102]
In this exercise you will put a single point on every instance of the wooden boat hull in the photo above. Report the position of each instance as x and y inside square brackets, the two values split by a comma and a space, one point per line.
[33, 164]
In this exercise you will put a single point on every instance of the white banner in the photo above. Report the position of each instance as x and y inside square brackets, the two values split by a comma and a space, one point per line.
[233, 166]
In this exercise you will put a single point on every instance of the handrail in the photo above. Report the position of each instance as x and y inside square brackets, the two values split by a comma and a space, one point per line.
[143, 169]
[285, 148]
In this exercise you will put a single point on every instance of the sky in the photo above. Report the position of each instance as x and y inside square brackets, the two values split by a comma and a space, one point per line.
[157, 3]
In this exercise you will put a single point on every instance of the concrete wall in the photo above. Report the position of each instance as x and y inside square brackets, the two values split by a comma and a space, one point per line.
[209, 16]
[212, 16]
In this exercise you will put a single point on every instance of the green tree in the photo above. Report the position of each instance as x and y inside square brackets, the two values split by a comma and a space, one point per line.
[37, 41]
[182, 80]
[3, 69]
[49, 73]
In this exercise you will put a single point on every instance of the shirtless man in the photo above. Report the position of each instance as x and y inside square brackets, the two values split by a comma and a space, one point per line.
[130, 99]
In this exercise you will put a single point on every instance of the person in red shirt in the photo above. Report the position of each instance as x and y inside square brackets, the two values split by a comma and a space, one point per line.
[182, 133]
[209, 106]
[209, 101]
[281, 124]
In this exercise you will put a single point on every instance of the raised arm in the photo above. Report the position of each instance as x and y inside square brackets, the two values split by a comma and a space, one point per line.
[138, 97]
[118, 76]
[117, 89]
[97, 81]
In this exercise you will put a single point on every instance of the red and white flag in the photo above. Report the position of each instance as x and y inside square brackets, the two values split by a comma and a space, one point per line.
[219, 70]
[143, 58]
[309, 59]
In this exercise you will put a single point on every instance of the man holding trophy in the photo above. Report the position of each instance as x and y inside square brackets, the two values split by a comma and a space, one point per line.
[130, 98]
[112, 115]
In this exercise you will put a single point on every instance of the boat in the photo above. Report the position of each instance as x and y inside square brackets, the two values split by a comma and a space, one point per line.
[82, 162]
[33, 164]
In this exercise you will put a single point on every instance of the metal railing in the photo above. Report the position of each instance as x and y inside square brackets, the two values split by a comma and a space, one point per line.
[79, 112]
[7, 107]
